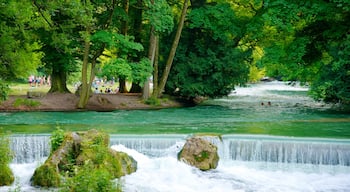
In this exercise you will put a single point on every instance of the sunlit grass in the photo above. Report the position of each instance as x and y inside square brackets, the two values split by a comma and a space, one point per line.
[23, 88]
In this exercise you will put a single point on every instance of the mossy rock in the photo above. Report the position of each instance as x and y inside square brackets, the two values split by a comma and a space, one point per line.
[46, 176]
[199, 153]
[126, 164]
[6, 176]
[79, 149]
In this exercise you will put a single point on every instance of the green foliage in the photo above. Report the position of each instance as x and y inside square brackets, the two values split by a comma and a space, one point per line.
[117, 67]
[207, 62]
[56, 139]
[152, 101]
[159, 16]
[46, 176]
[4, 90]
[89, 178]
[333, 82]
[5, 151]
[18, 50]
[6, 175]
[256, 74]
[141, 71]
[25, 102]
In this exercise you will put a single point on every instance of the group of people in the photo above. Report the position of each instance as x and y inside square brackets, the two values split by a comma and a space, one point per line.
[36, 81]
[106, 90]
[103, 86]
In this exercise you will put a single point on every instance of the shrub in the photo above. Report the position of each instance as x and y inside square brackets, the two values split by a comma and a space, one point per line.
[152, 101]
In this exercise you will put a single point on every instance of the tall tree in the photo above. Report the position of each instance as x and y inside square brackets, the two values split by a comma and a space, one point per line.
[59, 36]
[158, 91]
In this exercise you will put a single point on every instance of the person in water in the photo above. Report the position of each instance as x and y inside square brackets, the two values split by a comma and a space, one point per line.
[268, 103]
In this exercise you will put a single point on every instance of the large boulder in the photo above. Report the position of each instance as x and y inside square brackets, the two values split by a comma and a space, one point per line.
[79, 149]
[199, 153]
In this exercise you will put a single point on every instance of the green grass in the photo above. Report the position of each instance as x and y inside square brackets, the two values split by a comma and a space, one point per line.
[25, 102]
[23, 88]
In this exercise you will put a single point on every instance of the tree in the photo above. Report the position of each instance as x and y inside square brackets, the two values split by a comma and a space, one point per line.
[209, 61]
[158, 91]
[59, 35]
[19, 55]
[307, 41]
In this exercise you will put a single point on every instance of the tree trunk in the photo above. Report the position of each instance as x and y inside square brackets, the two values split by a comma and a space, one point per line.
[58, 81]
[155, 70]
[85, 89]
[135, 88]
[151, 55]
[172, 51]
[138, 21]
[124, 31]
[122, 86]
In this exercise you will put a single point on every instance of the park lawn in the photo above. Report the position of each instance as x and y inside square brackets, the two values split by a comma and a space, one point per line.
[23, 88]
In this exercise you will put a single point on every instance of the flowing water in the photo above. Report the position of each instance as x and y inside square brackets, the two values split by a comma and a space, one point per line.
[293, 144]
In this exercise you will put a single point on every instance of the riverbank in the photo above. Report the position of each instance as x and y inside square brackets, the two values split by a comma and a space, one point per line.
[97, 102]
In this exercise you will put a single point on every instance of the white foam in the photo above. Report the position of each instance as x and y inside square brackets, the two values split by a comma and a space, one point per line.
[166, 174]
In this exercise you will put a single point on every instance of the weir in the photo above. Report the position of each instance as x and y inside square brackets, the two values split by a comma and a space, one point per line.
[31, 148]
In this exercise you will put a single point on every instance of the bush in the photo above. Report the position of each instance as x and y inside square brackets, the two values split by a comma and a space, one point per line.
[152, 101]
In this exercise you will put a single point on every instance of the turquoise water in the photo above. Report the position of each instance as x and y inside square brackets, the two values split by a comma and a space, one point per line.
[291, 113]
[292, 140]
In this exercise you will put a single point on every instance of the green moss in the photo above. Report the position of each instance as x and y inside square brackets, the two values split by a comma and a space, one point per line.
[85, 159]
[201, 157]
[6, 175]
[46, 176]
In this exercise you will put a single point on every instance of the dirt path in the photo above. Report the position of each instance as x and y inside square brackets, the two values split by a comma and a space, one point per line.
[98, 102]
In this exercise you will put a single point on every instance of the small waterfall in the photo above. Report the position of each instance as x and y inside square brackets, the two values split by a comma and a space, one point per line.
[31, 148]
[151, 145]
[286, 150]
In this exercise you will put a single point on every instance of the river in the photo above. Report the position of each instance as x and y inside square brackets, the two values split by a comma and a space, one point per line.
[290, 144]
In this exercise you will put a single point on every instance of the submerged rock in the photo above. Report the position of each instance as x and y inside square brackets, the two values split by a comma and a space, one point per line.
[199, 153]
[79, 149]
